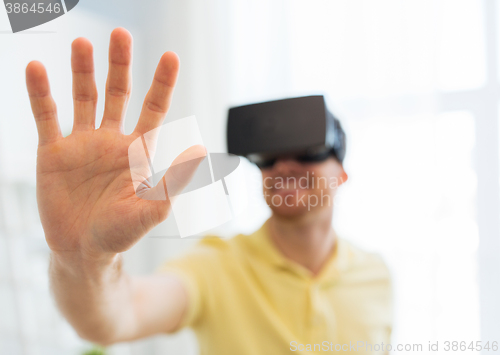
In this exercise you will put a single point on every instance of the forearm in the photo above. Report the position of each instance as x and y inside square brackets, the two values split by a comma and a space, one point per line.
[94, 294]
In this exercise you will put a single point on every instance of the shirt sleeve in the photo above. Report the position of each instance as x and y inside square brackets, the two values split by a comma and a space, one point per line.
[196, 270]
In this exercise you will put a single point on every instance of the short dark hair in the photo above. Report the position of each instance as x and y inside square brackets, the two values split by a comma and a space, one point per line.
[339, 145]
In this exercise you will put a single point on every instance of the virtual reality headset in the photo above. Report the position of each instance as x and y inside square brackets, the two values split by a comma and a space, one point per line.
[301, 128]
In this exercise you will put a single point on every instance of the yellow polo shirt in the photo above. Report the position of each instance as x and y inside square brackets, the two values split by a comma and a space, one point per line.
[246, 298]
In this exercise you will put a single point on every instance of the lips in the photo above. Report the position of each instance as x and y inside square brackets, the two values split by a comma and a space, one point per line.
[287, 191]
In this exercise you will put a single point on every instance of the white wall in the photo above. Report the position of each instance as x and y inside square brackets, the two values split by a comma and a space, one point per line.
[414, 82]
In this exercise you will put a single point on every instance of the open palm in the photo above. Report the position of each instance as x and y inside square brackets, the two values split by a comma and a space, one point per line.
[86, 198]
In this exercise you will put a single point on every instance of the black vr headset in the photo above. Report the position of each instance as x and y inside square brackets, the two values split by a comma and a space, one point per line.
[302, 128]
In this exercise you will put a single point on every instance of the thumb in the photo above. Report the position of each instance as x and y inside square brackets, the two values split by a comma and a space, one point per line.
[178, 174]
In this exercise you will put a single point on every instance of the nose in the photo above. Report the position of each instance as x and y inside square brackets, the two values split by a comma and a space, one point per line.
[285, 165]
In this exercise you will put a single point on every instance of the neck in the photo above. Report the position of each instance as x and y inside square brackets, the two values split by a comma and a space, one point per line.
[309, 241]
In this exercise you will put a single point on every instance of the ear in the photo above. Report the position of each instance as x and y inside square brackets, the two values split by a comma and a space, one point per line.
[343, 176]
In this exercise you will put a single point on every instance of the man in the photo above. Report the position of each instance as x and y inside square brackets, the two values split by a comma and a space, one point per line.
[293, 286]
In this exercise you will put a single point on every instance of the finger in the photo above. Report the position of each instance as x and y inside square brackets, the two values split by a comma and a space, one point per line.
[182, 169]
[118, 85]
[175, 179]
[159, 96]
[43, 106]
[84, 87]
[178, 174]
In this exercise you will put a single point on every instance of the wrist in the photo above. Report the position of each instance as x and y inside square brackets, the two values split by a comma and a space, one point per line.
[82, 264]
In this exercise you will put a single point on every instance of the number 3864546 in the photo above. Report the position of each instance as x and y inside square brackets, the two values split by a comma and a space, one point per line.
[36, 8]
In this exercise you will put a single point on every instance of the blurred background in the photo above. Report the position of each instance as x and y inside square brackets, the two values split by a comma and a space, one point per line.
[414, 82]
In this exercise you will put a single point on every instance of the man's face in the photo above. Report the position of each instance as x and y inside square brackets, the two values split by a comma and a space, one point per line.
[292, 188]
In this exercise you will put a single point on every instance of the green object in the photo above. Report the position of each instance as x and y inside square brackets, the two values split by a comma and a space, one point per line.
[97, 350]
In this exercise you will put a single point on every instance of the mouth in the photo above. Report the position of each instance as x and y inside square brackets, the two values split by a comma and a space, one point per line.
[287, 190]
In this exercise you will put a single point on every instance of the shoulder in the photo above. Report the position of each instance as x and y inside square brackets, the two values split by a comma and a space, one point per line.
[235, 244]
[213, 244]
[367, 265]
[219, 246]
[211, 251]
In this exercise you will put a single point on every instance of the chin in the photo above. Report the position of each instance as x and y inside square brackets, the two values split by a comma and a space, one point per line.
[289, 212]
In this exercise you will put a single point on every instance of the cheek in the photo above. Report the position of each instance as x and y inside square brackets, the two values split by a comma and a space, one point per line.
[323, 182]
[267, 182]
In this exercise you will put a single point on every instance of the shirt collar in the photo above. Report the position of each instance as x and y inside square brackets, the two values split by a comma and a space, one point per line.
[337, 263]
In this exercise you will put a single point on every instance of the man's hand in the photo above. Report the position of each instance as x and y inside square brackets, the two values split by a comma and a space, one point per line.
[88, 206]
[86, 199]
